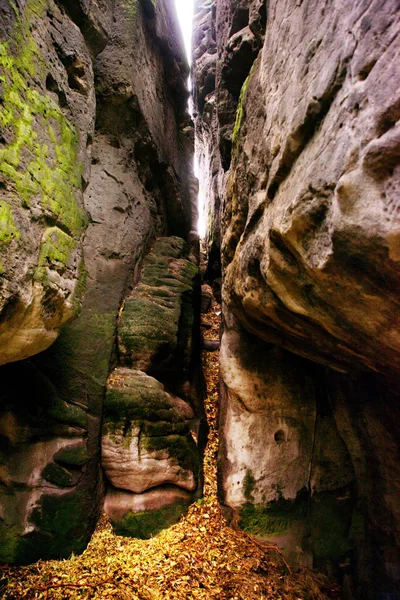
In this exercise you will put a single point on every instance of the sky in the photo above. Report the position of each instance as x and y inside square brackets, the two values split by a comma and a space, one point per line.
[185, 14]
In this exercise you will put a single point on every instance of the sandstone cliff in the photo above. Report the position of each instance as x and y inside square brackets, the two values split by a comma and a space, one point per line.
[297, 108]
[95, 164]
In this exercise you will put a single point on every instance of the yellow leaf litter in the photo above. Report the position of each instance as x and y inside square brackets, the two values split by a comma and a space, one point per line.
[199, 558]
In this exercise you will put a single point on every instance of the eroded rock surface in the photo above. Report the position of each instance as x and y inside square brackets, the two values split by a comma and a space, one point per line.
[135, 169]
[310, 223]
[152, 438]
[146, 437]
[156, 323]
[286, 473]
[298, 145]
[47, 122]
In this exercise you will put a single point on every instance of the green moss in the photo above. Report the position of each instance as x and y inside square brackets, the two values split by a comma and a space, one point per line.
[137, 403]
[331, 519]
[10, 538]
[249, 484]
[160, 428]
[84, 367]
[146, 324]
[55, 252]
[273, 518]
[131, 8]
[156, 320]
[80, 287]
[8, 230]
[61, 525]
[41, 160]
[148, 523]
[60, 411]
[75, 455]
[58, 515]
[172, 246]
[239, 113]
[59, 475]
[182, 449]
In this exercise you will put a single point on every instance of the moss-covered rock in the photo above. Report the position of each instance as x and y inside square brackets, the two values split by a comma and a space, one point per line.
[10, 540]
[49, 414]
[148, 523]
[41, 159]
[42, 151]
[75, 455]
[134, 396]
[331, 518]
[155, 328]
[274, 518]
[146, 435]
[144, 515]
[60, 476]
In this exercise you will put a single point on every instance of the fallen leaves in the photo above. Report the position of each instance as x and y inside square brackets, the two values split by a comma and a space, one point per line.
[200, 558]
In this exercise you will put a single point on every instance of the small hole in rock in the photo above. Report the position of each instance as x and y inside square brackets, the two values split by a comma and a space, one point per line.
[280, 437]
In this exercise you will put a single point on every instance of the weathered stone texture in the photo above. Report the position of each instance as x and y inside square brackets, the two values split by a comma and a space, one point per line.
[145, 515]
[135, 170]
[156, 323]
[153, 436]
[47, 119]
[146, 435]
[310, 224]
[302, 165]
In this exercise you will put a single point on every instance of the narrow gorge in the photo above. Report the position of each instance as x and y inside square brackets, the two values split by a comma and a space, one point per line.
[294, 121]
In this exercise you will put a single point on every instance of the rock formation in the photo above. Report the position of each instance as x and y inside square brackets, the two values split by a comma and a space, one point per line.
[297, 109]
[150, 443]
[95, 164]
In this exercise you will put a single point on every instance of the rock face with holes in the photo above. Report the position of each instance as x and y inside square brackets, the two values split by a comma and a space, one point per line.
[299, 145]
[152, 438]
[95, 137]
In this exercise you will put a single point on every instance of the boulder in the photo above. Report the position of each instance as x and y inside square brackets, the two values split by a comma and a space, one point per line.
[48, 491]
[146, 440]
[145, 515]
[135, 172]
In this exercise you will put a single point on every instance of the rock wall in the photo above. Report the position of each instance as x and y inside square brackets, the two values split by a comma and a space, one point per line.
[97, 165]
[297, 108]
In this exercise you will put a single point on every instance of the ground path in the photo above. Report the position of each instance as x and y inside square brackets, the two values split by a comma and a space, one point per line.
[199, 558]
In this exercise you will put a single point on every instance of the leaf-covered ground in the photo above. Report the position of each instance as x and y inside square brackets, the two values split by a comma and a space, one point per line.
[199, 558]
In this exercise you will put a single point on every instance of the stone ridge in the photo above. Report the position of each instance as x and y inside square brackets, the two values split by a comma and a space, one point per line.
[146, 440]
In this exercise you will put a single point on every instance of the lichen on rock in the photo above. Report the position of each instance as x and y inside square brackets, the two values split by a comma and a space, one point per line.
[41, 176]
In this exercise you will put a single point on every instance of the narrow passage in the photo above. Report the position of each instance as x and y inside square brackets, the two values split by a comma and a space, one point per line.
[199, 558]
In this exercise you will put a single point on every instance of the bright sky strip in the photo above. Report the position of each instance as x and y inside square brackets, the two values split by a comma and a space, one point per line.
[185, 14]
